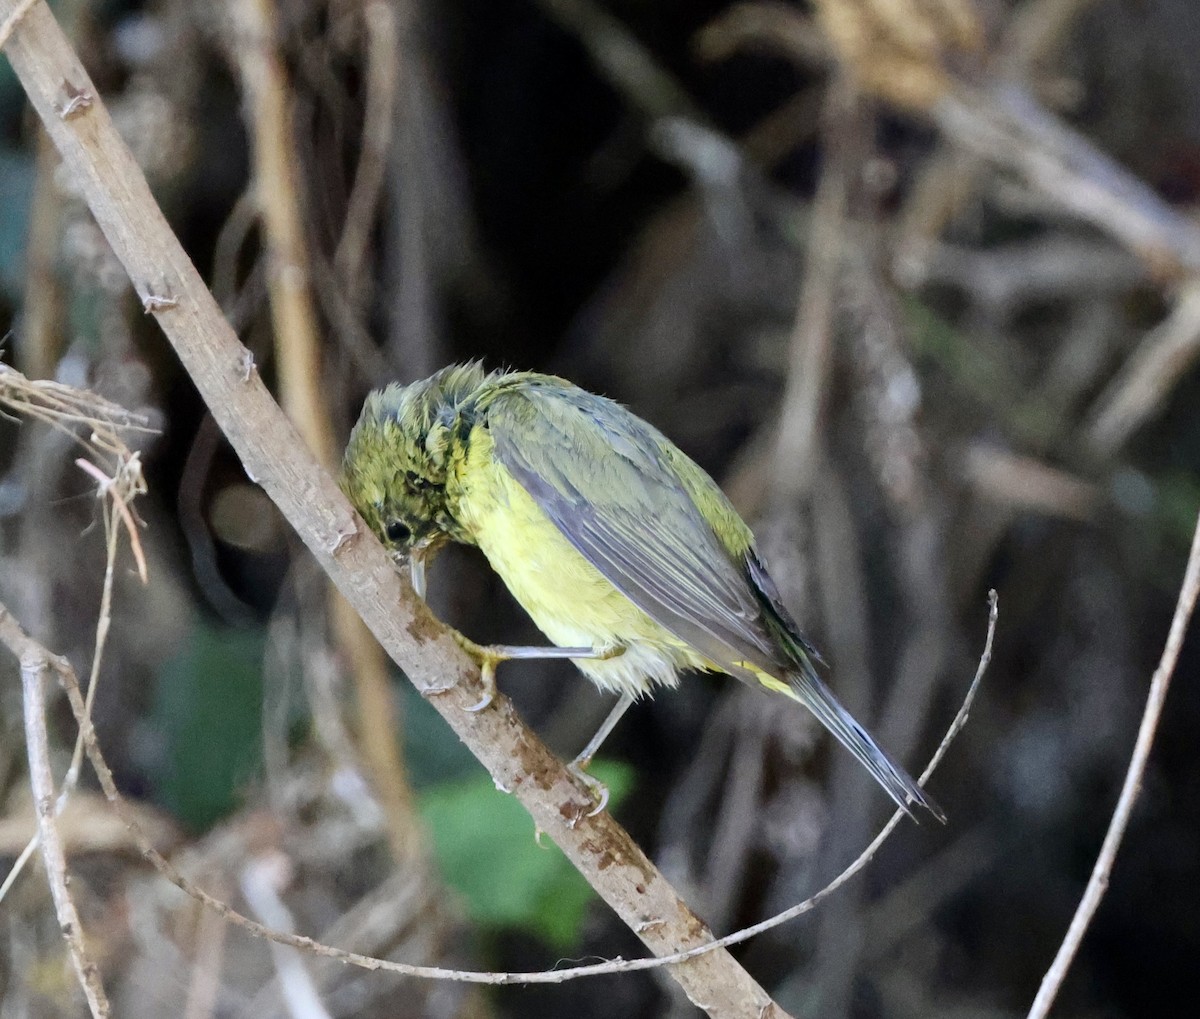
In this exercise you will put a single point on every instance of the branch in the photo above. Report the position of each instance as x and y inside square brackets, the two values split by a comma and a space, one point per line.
[1098, 883]
[1163, 357]
[68, 409]
[35, 663]
[273, 454]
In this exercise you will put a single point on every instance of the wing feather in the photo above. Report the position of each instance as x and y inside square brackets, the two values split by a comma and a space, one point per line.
[600, 475]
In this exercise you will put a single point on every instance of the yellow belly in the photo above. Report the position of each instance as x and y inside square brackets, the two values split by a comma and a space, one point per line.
[566, 596]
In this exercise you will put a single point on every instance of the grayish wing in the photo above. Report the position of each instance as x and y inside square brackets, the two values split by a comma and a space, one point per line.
[601, 475]
[625, 501]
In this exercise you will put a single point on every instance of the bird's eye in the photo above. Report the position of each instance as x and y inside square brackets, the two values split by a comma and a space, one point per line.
[397, 532]
[419, 483]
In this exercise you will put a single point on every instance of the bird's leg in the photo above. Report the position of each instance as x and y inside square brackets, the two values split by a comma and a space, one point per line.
[490, 655]
[578, 766]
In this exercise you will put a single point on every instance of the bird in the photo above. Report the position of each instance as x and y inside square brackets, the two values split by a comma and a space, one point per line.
[623, 551]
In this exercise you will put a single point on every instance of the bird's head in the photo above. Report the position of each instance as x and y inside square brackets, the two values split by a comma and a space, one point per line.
[395, 466]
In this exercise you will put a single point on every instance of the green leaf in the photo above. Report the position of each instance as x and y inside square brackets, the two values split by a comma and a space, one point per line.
[208, 712]
[484, 841]
[433, 754]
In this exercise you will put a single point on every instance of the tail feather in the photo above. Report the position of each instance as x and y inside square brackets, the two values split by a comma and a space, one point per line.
[805, 686]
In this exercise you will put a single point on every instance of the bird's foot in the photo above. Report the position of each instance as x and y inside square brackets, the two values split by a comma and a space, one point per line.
[487, 657]
[598, 789]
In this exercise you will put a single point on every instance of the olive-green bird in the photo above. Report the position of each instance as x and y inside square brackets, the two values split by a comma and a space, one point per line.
[624, 552]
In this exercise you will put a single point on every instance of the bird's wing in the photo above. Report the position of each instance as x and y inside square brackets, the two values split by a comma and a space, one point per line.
[626, 499]
[626, 502]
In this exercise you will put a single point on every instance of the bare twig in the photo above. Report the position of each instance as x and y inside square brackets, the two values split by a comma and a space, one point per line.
[35, 663]
[66, 408]
[1006, 125]
[960, 719]
[381, 40]
[116, 191]
[1098, 883]
[278, 191]
[811, 343]
[1161, 359]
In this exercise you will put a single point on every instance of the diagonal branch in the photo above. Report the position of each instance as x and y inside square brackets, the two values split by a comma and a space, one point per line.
[273, 454]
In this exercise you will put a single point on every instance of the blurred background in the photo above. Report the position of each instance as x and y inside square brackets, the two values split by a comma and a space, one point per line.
[918, 281]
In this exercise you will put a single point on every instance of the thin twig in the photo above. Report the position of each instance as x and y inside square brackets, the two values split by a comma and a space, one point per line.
[811, 344]
[960, 719]
[18, 867]
[382, 82]
[35, 662]
[1098, 883]
[69, 409]
[128, 477]
[65, 408]
[1165, 354]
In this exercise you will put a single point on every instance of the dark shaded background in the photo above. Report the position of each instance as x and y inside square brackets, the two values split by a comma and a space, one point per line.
[646, 235]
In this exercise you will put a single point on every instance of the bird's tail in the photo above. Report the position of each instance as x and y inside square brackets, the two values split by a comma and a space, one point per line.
[805, 686]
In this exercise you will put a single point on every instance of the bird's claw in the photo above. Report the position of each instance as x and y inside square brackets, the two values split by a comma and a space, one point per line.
[482, 703]
[487, 676]
[598, 789]
[487, 658]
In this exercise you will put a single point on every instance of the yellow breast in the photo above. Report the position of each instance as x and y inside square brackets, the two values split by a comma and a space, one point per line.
[571, 602]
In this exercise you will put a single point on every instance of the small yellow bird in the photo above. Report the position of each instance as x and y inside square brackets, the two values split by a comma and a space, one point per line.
[623, 551]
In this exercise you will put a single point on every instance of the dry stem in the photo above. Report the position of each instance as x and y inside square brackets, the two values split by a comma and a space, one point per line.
[811, 346]
[66, 408]
[35, 662]
[383, 53]
[1165, 354]
[1098, 883]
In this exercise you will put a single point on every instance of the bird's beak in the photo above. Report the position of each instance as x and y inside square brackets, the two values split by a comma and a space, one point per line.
[416, 571]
